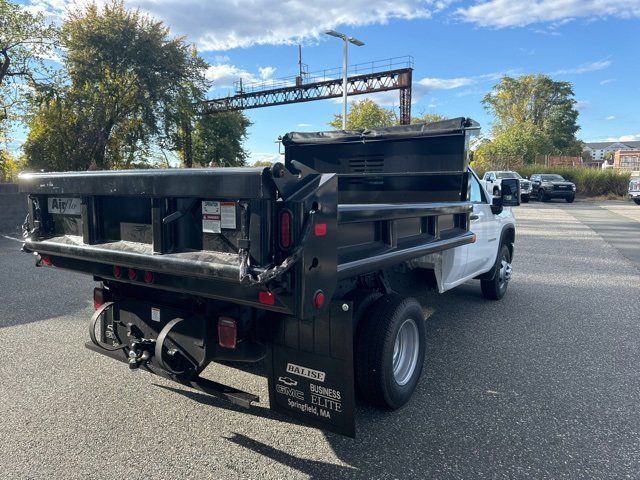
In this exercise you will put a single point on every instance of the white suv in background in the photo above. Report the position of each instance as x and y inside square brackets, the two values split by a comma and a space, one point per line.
[634, 190]
[493, 179]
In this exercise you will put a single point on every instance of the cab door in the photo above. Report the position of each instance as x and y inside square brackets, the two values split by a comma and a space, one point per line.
[481, 255]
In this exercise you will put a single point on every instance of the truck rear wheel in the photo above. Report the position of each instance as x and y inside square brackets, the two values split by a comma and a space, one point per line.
[389, 351]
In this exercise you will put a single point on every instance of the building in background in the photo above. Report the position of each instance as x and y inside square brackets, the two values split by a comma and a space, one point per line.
[627, 159]
[598, 150]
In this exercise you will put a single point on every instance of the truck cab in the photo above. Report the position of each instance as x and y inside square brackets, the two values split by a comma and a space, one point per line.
[494, 228]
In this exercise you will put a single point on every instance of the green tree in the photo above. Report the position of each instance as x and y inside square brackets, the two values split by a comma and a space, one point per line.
[130, 90]
[263, 163]
[217, 139]
[366, 114]
[428, 118]
[540, 101]
[523, 140]
[25, 41]
[10, 166]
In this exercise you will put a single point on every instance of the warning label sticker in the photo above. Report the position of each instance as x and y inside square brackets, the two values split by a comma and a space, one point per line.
[228, 215]
[211, 216]
[218, 215]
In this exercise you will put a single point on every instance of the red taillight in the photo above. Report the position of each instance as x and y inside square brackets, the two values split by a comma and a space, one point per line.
[267, 298]
[285, 229]
[46, 261]
[98, 297]
[320, 229]
[117, 271]
[318, 299]
[148, 277]
[227, 332]
[132, 274]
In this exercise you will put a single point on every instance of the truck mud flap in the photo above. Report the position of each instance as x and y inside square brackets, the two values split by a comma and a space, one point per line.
[311, 375]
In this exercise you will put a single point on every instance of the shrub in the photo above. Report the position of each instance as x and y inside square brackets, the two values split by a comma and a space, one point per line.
[589, 182]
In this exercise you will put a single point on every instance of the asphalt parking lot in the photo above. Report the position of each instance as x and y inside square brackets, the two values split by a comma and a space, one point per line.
[544, 384]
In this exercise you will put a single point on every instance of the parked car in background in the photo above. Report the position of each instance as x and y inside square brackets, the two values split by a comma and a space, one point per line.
[546, 186]
[492, 182]
[634, 190]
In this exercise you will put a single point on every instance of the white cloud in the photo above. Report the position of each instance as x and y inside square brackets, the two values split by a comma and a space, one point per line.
[606, 81]
[266, 72]
[582, 105]
[223, 25]
[445, 83]
[627, 138]
[622, 138]
[304, 125]
[225, 75]
[433, 83]
[518, 13]
[264, 157]
[610, 117]
[584, 68]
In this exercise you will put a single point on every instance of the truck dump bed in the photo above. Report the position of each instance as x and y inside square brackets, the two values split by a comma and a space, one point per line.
[380, 197]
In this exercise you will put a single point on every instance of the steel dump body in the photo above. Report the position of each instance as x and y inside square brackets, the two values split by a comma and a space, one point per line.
[344, 206]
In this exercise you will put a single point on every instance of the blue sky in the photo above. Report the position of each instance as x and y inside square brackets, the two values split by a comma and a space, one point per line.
[460, 49]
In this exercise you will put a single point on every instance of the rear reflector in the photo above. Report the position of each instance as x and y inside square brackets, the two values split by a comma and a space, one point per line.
[320, 229]
[285, 229]
[266, 298]
[148, 277]
[117, 271]
[318, 299]
[227, 332]
[46, 261]
[98, 297]
[132, 274]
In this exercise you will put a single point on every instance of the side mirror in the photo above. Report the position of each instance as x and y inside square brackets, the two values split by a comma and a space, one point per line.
[510, 192]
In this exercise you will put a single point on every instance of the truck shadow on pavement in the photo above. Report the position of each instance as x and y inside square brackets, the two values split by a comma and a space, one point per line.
[401, 444]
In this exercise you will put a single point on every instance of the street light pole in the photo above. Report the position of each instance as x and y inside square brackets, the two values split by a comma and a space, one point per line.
[345, 66]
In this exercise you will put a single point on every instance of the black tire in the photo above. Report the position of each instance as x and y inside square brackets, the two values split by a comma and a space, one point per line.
[362, 299]
[524, 198]
[374, 349]
[496, 287]
[542, 196]
[570, 199]
[637, 200]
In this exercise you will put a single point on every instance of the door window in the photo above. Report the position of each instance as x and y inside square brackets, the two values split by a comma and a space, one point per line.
[477, 195]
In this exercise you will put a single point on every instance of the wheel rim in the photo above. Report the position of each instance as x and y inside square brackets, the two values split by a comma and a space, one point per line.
[405, 352]
[504, 275]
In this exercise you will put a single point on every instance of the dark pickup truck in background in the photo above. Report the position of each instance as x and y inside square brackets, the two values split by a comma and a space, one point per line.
[294, 265]
[547, 186]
